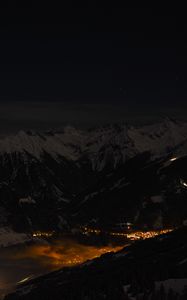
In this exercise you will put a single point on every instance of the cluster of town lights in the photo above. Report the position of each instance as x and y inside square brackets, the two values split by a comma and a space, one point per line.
[87, 231]
[42, 234]
[140, 235]
[133, 235]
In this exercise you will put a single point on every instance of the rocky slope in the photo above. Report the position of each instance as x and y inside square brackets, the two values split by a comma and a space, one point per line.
[46, 178]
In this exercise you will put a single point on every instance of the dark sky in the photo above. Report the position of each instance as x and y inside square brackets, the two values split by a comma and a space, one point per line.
[91, 66]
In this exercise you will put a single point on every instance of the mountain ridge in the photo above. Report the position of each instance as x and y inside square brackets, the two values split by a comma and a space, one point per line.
[60, 170]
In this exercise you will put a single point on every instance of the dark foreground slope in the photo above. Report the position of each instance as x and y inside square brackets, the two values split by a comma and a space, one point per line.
[150, 269]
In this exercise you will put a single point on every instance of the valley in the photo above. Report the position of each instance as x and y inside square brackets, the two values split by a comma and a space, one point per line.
[70, 198]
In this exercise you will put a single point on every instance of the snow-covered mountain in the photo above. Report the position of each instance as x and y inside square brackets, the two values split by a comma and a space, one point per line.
[44, 174]
[115, 142]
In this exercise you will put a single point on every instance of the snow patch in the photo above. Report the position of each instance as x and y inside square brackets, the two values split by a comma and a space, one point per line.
[27, 200]
[157, 199]
[8, 237]
[176, 284]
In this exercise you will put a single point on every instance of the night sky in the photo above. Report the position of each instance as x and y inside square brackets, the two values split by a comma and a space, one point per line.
[91, 67]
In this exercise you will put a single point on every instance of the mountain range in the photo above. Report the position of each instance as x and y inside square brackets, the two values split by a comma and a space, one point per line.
[115, 173]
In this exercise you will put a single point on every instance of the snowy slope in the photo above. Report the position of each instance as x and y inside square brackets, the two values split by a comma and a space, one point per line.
[121, 141]
[8, 237]
[41, 172]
